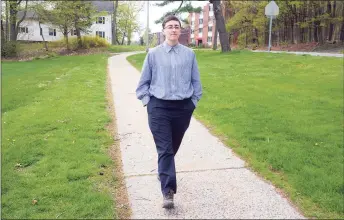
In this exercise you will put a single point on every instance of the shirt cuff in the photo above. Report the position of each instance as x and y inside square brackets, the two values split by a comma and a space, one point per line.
[145, 100]
[194, 100]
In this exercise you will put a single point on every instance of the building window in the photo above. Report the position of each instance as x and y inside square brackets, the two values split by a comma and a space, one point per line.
[41, 31]
[73, 32]
[23, 30]
[210, 7]
[200, 30]
[209, 39]
[192, 31]
[201, 21]
[210, 29]
[52, 32]
[100, 34]
[192, 23]
[100, 20]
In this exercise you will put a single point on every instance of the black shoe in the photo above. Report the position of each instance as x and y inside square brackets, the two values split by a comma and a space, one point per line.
[168, 200]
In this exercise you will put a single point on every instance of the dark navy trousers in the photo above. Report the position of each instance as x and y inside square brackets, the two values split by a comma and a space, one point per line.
[168, 120]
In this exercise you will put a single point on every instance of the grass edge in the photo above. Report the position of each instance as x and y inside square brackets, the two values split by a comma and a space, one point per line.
[120, 194]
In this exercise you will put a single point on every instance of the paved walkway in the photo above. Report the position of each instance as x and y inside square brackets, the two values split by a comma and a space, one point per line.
[212, 182]
[307, 53]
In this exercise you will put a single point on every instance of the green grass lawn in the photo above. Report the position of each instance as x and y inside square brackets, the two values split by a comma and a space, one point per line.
[54, 139]
[284, 115]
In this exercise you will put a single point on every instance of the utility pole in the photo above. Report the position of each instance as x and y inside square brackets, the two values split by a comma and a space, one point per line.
[147, 41]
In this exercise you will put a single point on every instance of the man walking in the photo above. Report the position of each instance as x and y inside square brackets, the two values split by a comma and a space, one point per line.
[170, 87]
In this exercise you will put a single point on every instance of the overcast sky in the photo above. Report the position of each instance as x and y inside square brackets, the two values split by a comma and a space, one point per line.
[156, 12]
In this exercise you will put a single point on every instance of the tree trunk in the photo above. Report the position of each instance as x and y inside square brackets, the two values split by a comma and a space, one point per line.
[292, 31]
[13, 20]
[77, 29]
[45, 43]
[342, 33]
[7, 23]
[256, 36]
[245, 37]
[78, 34]
[114, 25]
[309, 17]
[221, 27]
[332, 26]
[129, 39]
[285, 31]
[296, 35]
[278, 37]
[320, 29]
[123, 39]
[215, 38]
[3, 39]
[316, 25]
[65, 34]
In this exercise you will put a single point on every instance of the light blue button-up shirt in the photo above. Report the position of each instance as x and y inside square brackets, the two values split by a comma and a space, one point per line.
[170, 73]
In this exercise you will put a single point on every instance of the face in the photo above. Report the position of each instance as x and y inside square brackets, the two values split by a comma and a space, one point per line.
[172, 30]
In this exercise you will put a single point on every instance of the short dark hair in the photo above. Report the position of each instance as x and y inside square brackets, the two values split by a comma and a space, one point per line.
[170, 18]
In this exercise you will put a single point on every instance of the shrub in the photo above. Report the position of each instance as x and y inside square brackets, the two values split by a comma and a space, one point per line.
[242, 41]
[87, 42]
[9, 49]
[192, 45]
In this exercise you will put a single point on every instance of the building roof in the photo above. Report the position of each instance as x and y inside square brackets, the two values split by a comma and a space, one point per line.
[104, 6]
[29, 14]
[100, 6]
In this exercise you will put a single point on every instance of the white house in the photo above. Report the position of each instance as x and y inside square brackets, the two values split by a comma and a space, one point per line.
[102, 26]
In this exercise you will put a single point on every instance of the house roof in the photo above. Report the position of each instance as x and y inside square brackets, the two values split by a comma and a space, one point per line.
[99, 5]
[29, 14]
[104, 6]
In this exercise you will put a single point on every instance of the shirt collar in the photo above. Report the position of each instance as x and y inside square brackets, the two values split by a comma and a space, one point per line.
[168, 48]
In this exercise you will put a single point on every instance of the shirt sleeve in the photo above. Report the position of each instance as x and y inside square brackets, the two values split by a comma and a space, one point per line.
[142, 90]
[196, 82]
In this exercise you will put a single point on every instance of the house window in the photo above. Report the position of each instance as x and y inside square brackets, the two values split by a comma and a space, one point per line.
[192, 23]
[23, 30]
[41, 32]
[200, 30]
[100, 20]
[210, 7]
[201, 21]
[52, 32]
[210, 29]
[209, 39]
[192, 31]
[100, 34]
[73, 32]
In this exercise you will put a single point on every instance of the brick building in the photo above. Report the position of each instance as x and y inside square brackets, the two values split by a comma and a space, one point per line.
[183, 39]
[202, 26]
